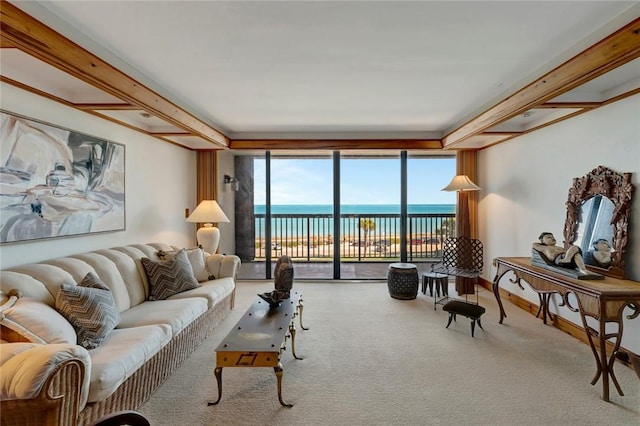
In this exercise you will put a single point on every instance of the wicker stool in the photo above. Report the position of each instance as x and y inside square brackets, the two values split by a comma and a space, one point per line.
[402, 281]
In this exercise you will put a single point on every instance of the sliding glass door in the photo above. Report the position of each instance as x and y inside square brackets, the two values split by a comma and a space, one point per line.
[302, 214]
[370, 190]
[430, 211]
[341, 215]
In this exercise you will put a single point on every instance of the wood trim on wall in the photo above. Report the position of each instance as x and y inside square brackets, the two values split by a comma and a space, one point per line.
[207, 181]
[467, 164]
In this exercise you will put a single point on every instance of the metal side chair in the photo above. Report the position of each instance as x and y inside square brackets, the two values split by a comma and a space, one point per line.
[462, 257]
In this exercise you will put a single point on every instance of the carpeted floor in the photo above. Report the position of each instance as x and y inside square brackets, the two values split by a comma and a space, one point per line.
[373, 360]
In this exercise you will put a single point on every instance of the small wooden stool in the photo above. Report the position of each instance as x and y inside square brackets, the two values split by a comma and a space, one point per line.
[440, 280]
[469, 310]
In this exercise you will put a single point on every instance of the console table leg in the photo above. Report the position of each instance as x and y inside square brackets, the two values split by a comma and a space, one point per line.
[496, 293]
[218, 374]
[544, 299]
[612, 360]
[604, 364]
[278, 371]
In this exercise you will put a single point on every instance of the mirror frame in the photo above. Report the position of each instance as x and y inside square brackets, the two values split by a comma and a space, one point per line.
[616, 187]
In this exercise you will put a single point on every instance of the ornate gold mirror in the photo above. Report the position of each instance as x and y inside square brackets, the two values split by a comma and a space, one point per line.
[598, 211]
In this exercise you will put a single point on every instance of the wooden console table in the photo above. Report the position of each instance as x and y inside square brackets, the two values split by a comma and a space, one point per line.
[603, 300]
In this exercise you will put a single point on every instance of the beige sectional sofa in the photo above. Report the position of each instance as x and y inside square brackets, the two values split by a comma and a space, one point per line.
[46, 377]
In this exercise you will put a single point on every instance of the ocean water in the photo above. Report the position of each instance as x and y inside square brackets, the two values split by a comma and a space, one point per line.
[284, 228]
[356, 209]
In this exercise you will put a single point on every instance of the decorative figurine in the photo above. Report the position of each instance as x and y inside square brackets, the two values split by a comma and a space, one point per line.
[283, 273]
[569, 258]
[569, 261]
[602, 252]
[283, 281]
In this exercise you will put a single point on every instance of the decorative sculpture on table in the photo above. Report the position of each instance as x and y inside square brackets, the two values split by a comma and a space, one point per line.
[283, 281]
[602, 252]
[548, 255]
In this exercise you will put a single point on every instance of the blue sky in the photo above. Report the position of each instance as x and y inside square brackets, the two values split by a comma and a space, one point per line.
[363, 181]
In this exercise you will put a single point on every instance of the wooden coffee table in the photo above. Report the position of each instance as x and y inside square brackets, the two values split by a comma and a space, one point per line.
[259, 339]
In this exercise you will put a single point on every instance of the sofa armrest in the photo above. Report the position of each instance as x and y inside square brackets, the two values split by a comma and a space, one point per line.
[45, 384]
[223, 265]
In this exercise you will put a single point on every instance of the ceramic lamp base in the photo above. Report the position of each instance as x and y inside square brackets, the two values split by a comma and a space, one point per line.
[208, 237]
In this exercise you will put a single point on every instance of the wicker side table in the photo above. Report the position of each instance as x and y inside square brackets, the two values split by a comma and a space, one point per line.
[402, 280]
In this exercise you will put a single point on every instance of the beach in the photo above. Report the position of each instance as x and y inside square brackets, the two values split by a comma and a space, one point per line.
[315, 248]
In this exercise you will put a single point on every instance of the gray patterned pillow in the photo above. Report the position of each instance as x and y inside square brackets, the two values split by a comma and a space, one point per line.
[170, 277]
[90, 308]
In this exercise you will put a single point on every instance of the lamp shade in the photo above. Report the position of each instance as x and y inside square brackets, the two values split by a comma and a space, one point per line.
[208, 211]
[461, 183]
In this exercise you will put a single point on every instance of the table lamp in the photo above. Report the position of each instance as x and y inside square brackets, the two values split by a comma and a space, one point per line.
[208, 212]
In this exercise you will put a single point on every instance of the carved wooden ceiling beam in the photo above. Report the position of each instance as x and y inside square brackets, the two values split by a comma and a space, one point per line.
[613, 51]
[570, 105]
[335, 144]
[106, 107]
[33, 37]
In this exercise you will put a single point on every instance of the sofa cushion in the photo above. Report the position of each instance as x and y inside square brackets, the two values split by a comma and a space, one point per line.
[197, 259]
[221, 265]
[167, 278]
[213, 291]
[90, 308]
[177, 313]
[130, 272]
[51, 276]
[11, 331]
[38, 322]
[27, 285]
[122, 353]
[110, 274]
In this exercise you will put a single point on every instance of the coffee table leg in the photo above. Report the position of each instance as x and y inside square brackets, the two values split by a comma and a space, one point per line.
[218, 374]
[292, 331]
[278, 370]
[300, 307]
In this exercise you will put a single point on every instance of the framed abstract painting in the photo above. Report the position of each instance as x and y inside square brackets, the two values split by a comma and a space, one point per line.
[56, 182]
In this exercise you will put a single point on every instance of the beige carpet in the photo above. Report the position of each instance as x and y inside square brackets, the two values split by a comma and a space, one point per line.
[374, 360]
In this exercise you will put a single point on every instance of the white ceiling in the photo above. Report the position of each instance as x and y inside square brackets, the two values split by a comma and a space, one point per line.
[332, 68]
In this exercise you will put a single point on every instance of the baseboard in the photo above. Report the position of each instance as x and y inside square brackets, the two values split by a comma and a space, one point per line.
[560, 323]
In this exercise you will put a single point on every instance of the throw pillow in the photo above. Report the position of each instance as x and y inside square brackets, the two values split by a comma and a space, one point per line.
[169, 277]
[34, 321]
[197, 259]
[90, 308]
[14, 332]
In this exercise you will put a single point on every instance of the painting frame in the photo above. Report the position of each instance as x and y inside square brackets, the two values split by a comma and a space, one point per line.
[57, 182]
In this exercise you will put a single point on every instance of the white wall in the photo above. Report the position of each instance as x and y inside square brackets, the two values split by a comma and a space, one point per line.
[526, 181]
[160, 184]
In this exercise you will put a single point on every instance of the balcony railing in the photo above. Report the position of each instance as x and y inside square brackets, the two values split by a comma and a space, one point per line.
[364, 237]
